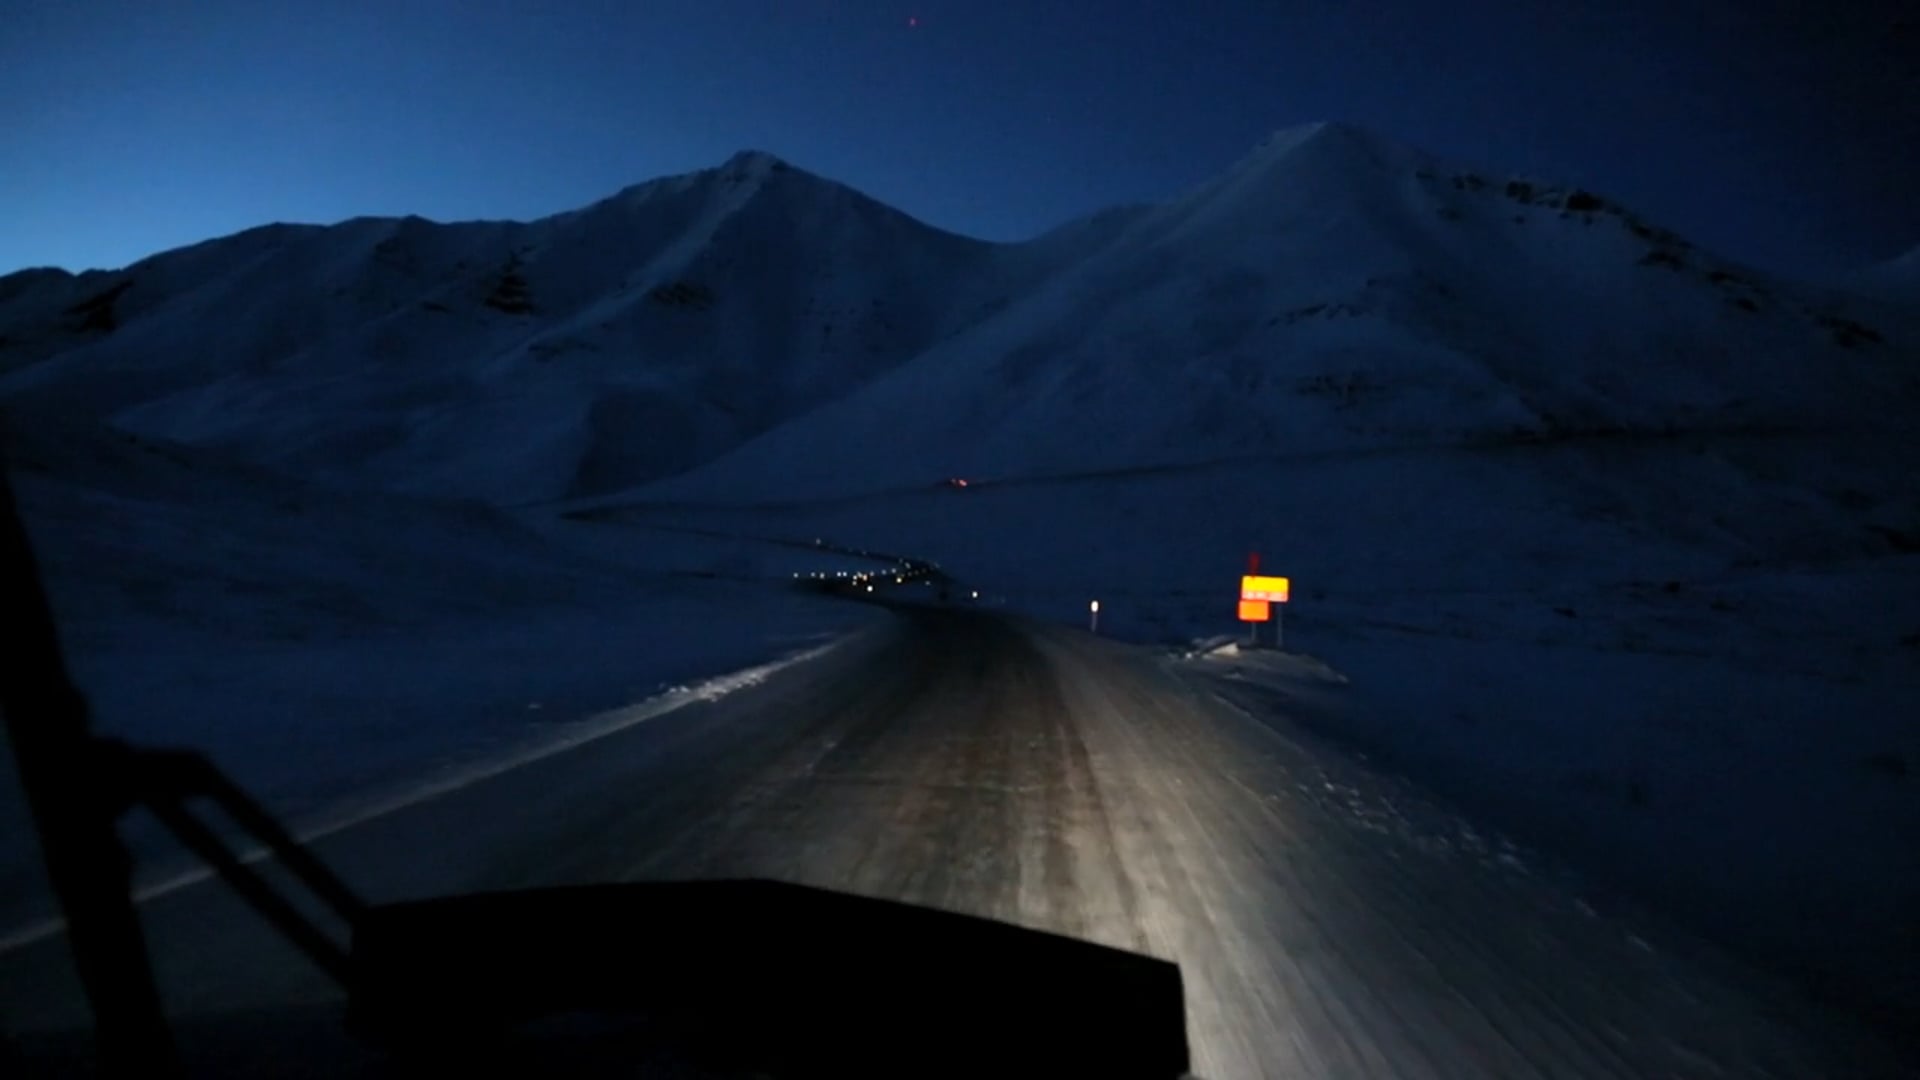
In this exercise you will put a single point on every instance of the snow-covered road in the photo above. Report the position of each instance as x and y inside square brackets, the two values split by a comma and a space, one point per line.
[1328, 921]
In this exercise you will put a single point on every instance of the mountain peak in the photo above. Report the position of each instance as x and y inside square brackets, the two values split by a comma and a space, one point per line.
[753, 163]
[1286, 138]
[744, 166]
[1304, 171]
[1334, 140]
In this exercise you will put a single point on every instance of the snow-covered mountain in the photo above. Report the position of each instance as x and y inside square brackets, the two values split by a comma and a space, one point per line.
[771, 332]
[1334, 291]
[508, 361]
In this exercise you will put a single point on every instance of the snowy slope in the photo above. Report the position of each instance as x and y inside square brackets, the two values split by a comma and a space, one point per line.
[1333, 291]
[508, 361]
[324, 645]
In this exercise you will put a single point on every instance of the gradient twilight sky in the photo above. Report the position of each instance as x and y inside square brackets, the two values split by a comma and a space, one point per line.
[1781, 132]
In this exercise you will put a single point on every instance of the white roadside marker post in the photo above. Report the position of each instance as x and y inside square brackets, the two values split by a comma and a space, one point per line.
[1093, 609]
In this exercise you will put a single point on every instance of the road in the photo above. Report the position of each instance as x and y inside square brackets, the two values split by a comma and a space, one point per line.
[1329, 922]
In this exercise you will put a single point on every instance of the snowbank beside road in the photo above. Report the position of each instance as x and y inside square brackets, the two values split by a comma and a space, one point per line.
[325, 646]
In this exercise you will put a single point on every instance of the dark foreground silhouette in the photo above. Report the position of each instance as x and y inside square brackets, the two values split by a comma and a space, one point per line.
[767, 976]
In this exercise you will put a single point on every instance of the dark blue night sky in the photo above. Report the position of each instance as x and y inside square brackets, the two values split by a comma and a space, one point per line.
[1782, 133]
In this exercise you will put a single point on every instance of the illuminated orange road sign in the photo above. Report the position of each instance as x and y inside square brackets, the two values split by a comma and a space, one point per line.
[1255, 611]
[1264, 588]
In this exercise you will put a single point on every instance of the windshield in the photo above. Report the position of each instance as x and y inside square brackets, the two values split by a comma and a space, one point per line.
[1414, 582]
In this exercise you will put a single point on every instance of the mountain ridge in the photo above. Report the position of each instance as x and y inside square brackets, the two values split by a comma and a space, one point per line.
[484, 302]
[688, 318]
